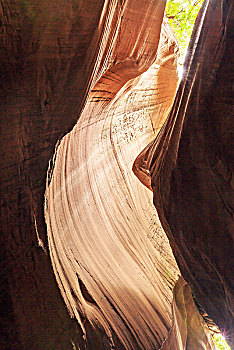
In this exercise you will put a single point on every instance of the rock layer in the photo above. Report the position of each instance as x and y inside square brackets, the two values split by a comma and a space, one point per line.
[111, 258]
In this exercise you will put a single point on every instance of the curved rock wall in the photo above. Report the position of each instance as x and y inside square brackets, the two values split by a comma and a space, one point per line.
[51, 56]
[110, 255]
[111, 259]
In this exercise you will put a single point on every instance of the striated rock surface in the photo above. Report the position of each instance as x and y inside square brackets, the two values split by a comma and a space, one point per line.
[52, 54]
[105, 259]
[111, 258]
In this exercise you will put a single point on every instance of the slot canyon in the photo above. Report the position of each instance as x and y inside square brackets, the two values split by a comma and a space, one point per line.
[115, 177]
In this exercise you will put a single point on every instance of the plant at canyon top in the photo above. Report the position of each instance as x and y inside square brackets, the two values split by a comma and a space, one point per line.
[220, 342]
[181, 15]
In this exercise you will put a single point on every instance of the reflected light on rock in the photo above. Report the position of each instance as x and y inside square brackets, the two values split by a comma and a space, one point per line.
[180, 71]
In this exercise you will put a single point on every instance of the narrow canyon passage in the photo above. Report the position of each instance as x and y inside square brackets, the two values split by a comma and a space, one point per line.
[93, 259]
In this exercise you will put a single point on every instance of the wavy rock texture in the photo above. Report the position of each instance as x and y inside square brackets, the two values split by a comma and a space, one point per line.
[110, 256]
[51, 55]
[111, 259]
[190, 165]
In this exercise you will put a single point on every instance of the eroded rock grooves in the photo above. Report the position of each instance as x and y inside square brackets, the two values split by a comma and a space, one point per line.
[98, 226]
[101, 62]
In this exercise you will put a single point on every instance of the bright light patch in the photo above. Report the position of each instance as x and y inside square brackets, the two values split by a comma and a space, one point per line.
[180, 70]
[220, 342]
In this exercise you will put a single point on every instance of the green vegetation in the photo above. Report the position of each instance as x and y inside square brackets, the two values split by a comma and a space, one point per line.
[220, 342]
[181, 15]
